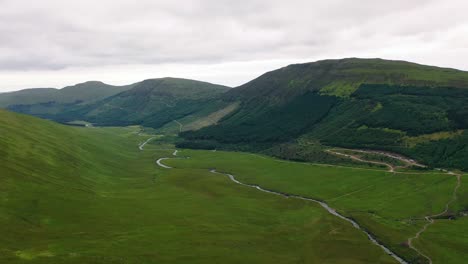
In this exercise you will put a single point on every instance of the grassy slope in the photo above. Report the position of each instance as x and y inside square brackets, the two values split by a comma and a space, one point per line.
[209, 115]
[382, 202]
[88, 195]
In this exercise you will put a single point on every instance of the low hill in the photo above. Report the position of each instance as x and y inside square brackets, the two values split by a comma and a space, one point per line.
[362, 103]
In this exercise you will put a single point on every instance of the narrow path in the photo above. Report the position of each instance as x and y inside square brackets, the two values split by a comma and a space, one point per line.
[350, 193]
[330, 165]
[392, 155]
[159, 161]
[430, 220]
[321, 203]
[407, 161]
[390, 167]
[142, 145]
[180, 125]
[162, 165]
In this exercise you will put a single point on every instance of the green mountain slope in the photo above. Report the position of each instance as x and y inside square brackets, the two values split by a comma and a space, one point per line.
[361, 103]
[343, 77]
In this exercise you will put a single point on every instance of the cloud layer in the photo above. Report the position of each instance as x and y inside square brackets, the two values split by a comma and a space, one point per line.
[72, 39]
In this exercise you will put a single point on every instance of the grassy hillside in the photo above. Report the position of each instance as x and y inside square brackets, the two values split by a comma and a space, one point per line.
[89, 195]
[359, 103]
[207, 116]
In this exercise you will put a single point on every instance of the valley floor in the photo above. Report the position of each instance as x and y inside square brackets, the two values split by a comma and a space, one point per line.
[393, 206]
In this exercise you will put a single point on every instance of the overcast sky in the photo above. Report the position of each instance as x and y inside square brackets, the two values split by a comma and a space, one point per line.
[54, 43]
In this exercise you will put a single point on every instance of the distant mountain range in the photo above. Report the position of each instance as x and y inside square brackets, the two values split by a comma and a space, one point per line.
[152, 102]
[421, 111]
[79, 93]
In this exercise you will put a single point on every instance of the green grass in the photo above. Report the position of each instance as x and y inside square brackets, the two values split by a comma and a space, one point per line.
[446, 240]
[382, 202]
[413, 141]
[340, 89]
[88, 195]
[328, 182]
[210, 115]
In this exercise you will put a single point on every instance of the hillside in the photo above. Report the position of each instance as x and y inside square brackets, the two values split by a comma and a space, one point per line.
[343, 77]
[361, 103]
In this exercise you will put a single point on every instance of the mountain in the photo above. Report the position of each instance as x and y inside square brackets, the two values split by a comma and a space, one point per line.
[50, 101]
[293, 112]
[151, 103]
[360, 103]
[28, 96]
[343, 77]
[82, 92]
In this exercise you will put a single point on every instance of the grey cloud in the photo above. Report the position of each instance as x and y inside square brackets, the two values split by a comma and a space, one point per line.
[52, 34]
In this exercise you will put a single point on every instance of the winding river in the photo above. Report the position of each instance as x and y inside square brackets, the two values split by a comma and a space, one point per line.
[321, 203]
